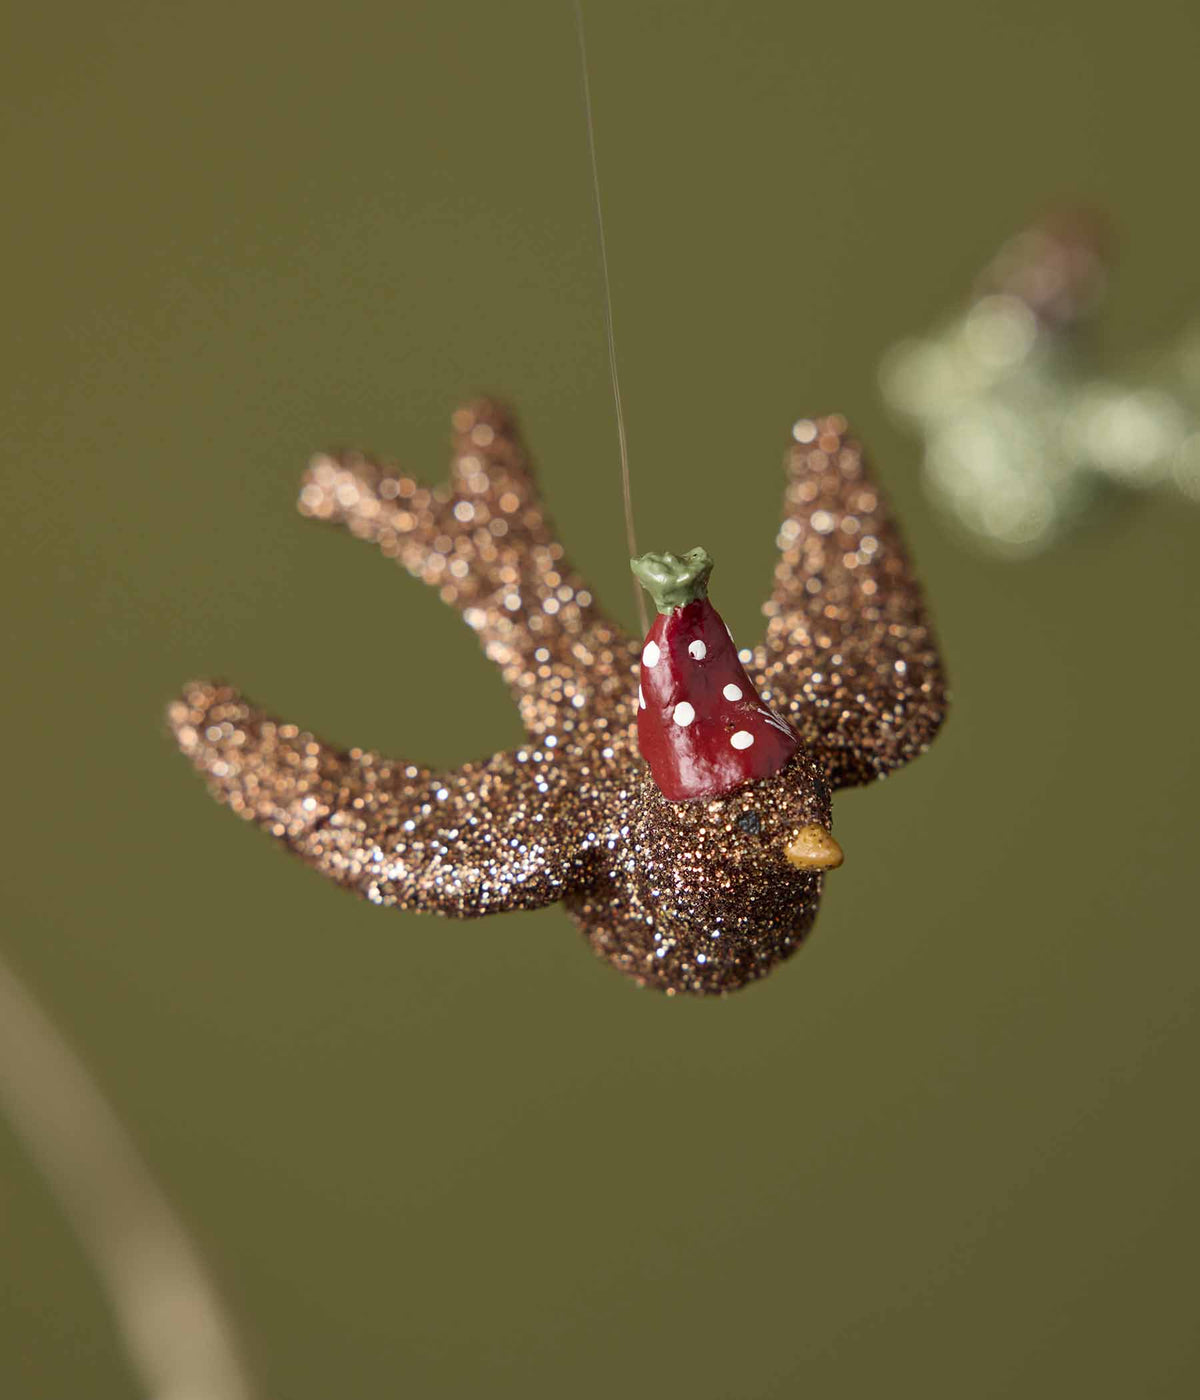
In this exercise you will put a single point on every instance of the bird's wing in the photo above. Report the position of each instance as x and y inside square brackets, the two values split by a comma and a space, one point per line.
[849, 654]
[485, 540]
[497, 835]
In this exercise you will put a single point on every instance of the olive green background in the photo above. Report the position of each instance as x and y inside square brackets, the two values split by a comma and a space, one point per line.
[948, 1151]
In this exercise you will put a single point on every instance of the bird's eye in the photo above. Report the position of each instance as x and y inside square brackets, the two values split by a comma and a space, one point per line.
[750, 823]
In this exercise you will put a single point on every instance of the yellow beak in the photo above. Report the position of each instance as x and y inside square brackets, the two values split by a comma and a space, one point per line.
[812, 848]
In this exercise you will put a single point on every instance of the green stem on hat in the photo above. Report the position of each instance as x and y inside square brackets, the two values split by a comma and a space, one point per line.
[674, 580]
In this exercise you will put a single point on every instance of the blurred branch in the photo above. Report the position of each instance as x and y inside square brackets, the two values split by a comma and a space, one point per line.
[1024, 432]
[166, 1307]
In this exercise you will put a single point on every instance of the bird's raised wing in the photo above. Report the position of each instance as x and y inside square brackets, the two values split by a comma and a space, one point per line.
[485, 540]
[501, 834]
[849, 655]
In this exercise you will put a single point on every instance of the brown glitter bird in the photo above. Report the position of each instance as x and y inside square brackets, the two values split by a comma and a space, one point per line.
[700, 895]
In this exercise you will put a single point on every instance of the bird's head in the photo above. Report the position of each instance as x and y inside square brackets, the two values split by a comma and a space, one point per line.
[731, 827]
[737, 875]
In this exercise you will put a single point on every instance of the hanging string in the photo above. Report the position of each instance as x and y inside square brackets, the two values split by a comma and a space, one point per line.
[626, 492]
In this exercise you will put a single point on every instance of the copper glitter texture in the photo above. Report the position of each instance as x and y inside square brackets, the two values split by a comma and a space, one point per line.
[693, 896]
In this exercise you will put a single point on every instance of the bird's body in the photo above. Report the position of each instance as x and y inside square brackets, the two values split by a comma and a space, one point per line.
[693, 896]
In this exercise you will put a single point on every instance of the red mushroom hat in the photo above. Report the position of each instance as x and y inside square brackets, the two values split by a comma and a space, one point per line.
[702, 728]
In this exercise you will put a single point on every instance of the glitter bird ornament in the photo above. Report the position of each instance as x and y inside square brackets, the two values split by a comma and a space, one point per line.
[696, 868]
